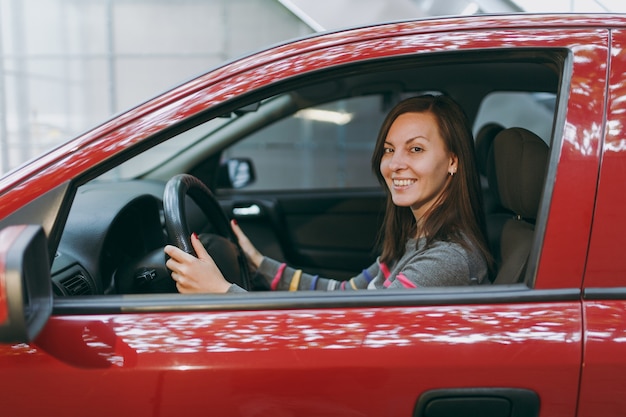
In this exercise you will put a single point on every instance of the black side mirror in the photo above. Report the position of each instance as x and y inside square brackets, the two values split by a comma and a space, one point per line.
[25, 284]
[235, 173]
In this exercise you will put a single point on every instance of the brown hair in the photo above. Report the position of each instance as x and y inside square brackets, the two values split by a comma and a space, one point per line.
[458, 215]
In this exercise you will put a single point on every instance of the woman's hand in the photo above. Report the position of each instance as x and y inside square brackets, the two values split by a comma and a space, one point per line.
[195, 275]
[254, 256]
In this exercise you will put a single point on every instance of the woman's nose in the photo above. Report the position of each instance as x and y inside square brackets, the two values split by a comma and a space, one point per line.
[397, 161]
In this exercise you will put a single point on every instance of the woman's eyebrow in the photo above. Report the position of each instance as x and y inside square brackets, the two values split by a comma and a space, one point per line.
[409, 140]
[414, 138]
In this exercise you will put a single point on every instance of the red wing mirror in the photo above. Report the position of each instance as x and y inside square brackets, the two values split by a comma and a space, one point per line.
[25, 285]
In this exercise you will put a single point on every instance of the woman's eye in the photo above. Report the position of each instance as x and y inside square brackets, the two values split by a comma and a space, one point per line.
[388, 150]
[416, 149]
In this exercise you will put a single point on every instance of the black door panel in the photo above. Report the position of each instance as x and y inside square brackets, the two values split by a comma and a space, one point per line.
[331, 233]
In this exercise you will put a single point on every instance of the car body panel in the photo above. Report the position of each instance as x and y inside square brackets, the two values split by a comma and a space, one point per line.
[360, 361]
[577, 144]
[606, 261]
[603, 377]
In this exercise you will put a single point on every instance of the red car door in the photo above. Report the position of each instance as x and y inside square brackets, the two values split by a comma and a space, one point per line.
[494, 350]
[604, 372]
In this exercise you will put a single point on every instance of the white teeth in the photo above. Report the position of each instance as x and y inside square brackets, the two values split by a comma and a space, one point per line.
[403, 183]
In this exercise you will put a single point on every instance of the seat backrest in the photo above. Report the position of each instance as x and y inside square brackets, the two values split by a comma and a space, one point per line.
[484, 140]
[521, 160]
[495, 214]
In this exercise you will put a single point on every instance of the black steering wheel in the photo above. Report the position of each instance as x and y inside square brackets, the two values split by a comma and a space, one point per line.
[223, 246]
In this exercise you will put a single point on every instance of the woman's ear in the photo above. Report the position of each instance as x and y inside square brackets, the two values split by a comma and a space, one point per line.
[454, 164]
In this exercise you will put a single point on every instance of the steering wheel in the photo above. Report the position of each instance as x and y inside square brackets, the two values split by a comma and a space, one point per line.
[223, 248]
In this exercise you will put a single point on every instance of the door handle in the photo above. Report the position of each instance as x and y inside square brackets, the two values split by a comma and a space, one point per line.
[252, 210]
[484, 402]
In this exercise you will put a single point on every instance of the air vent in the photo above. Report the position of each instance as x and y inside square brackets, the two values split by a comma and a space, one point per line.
[76, 284]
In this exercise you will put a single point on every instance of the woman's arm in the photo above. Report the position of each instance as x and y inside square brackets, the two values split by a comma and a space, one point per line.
[252, 254]
[201, 275]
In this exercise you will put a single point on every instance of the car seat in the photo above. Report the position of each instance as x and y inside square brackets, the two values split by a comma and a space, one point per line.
[483, 146]
[521, 160]
[495, 214]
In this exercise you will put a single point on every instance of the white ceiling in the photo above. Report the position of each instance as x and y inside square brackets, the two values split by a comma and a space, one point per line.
[323, 15]
[593, 6]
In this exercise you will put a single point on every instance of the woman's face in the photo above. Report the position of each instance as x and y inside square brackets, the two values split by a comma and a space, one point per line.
[416, 164]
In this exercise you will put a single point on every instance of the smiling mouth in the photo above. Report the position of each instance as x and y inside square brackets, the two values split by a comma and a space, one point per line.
[403, 183]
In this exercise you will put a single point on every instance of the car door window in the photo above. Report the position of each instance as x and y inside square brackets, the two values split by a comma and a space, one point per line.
[322, 147]
[531, 110]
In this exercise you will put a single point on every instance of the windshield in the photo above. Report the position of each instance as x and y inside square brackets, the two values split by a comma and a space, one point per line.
[156, 156]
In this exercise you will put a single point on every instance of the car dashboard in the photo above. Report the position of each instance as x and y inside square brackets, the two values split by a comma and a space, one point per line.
[110, 225]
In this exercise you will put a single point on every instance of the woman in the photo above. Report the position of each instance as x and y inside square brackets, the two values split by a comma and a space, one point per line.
[433, 232]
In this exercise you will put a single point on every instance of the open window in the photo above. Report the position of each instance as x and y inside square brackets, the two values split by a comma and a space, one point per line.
[301, 153]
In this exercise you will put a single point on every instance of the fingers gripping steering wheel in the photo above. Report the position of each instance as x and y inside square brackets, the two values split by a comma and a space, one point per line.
[227, 250]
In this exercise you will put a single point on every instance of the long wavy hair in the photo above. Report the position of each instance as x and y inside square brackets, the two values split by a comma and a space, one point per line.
[458, 213]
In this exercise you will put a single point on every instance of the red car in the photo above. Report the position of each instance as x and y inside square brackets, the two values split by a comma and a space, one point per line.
[90, 323]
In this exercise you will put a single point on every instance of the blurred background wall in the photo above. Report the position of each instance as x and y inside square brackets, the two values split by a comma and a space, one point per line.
[68, 65]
